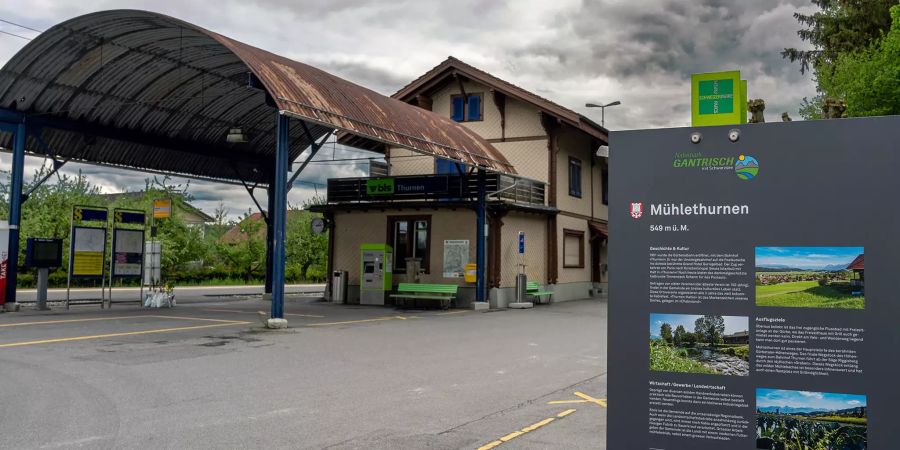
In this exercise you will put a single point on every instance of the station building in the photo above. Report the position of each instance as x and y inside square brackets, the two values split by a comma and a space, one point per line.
[558, 198]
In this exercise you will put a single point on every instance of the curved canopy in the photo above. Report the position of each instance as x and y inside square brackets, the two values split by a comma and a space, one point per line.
[143, 90]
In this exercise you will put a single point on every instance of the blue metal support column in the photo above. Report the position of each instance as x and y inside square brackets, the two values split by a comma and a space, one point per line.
[479, 238]
[270, 192]
[278, 215]
[15, 211]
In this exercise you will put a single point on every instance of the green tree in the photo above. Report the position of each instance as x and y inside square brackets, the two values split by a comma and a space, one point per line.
[710, 329]
[869, 80]
[689, 339]
[680, 333]
[665, 332]
[245, 251]
[48, 211]
[839, 28]
[305, 249]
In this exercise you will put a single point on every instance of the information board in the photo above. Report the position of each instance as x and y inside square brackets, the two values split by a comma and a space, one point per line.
[162, 208]
[87, 250]
[741, 314]
[456, 255]
[128, 252]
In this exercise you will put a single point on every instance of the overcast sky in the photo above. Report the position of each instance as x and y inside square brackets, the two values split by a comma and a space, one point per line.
[571, 51]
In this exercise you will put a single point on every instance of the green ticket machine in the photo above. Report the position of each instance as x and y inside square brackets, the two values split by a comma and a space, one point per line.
[376, 261]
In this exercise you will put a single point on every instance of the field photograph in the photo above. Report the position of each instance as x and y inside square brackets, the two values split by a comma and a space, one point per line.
[810, 277]
[718, 345]
[803, 420]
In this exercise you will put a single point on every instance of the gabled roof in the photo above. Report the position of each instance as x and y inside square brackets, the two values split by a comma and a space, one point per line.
[438, 76]
[859, 263]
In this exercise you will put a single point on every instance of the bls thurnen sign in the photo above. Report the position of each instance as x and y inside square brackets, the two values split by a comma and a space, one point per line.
[741, 313]
[419, 186]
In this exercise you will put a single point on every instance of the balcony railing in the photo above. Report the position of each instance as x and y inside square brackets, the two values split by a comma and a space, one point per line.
[434, 188]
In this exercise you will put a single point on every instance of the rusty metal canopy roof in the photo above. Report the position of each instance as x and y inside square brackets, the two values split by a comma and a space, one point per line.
[142, 90]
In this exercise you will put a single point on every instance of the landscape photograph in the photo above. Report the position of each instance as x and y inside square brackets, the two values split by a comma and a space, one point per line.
[811, 277]
[804, 420]
[718, 345]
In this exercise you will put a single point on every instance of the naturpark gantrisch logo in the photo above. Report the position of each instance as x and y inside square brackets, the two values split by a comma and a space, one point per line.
[746, 167]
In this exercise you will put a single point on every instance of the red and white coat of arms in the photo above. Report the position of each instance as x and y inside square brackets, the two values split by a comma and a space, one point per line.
[637, 210]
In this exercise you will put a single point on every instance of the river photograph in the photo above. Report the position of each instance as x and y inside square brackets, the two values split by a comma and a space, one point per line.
[718, 345]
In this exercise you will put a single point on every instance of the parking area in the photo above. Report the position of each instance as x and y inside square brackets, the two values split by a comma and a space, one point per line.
[206, 375]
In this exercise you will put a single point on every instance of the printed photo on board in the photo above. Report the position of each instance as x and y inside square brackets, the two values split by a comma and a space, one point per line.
[718, 345]
[810, 277]
[800, 420]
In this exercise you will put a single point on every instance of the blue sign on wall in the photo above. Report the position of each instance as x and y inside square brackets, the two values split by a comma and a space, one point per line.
[522, 242]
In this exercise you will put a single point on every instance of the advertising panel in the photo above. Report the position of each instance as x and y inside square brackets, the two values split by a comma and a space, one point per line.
[87, 250]
[740, 312]
[128, 252]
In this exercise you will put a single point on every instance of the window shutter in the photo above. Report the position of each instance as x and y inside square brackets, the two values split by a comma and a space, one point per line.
[458, 108]
[474, 109]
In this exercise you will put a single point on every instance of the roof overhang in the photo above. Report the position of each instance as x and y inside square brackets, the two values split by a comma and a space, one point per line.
[145, 91]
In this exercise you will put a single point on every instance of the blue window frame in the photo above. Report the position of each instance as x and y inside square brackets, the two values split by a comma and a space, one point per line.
[574, 177]
[467, 111]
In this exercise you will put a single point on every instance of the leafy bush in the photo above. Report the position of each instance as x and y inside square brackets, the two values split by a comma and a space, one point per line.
[667, 359]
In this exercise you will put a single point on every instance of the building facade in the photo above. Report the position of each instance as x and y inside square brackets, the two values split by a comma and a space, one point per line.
[557, 202]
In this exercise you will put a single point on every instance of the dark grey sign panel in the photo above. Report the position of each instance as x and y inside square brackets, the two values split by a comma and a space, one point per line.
[741, 312]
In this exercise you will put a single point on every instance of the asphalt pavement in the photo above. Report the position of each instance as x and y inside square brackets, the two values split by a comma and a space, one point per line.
[206, 375]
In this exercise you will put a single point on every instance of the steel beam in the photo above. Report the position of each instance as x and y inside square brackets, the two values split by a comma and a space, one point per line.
[270, 192]
[480, 238]
[315, 149]
[278, 214]
[15, 210]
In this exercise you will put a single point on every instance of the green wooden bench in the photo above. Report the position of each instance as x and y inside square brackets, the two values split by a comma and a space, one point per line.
[443, 293]
[533, 288]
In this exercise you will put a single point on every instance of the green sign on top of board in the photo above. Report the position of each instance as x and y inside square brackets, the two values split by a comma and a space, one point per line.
[380, 186]
[716, 98]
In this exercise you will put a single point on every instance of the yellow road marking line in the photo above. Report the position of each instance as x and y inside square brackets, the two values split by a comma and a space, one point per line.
[128, 333]
[490, 445]
[528, 429]
[512, 435]
[95, 319]
[257, 312]
[450, 312]
[567, 402]
[197, 318]
[599, 401]
[377, 319]
[45, 322]
[584, 399]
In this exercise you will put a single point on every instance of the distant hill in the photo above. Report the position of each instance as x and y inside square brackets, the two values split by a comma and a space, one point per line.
[781, 268]
[790, 410]
[850, 412]
[776, 268]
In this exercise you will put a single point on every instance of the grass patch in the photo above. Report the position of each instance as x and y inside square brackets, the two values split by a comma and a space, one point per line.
[843, 419]
[808, 294]
[667, 359]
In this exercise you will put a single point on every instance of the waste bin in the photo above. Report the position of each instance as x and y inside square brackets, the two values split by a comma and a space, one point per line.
[339, 286]
[521, 287]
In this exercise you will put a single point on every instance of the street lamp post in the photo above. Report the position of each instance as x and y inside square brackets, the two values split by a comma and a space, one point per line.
[602, 110]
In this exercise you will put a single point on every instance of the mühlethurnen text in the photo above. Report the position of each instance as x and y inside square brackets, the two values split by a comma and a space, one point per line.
[697, 209]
